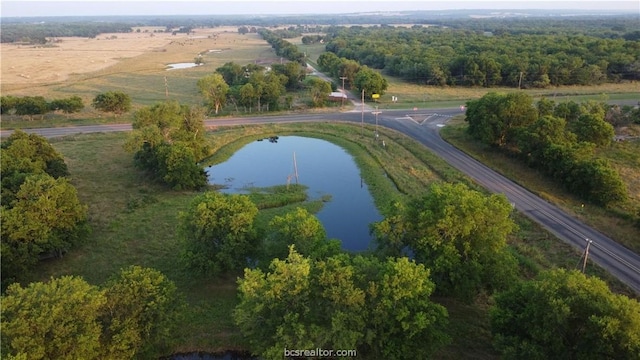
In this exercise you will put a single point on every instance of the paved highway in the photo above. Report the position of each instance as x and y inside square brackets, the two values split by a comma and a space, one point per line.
[423, 125]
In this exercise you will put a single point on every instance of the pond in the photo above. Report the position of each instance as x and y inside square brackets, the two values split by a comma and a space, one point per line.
[177, 66]
[325, 168]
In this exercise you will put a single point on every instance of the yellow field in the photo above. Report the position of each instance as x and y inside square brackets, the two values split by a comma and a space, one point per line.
[32, 70]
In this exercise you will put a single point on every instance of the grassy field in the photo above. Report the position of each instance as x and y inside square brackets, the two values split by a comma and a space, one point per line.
[87, 67]
[134, 222]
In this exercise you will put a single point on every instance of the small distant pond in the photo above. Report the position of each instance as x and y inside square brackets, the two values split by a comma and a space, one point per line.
[177, 66]
[322, 166]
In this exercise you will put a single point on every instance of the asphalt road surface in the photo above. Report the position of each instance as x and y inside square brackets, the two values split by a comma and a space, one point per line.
[423, 125]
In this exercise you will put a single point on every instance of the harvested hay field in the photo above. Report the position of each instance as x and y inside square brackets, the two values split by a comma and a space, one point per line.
[71, 65]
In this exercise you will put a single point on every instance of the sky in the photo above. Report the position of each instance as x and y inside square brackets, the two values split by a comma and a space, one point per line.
[250, 7]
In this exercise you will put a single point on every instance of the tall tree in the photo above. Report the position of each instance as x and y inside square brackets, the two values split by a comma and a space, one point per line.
[460, 234]
[319, 90]
[45, 218]
[214, 89]
[218, 233]
[381, 309]
[565, 315]
[54, 320]
[140, 314]
[25, 154]
[370, 81]
[496, 118]
[594, 129]
[168, 139]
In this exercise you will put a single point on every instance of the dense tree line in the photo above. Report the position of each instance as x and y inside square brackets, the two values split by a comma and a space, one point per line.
[41, 213]
[132, 316]
[253, 86]
[168, 140]
[558, 139]
[41, 32]
[359, 78]
[444, 56]
[282, 47]
[38, 105]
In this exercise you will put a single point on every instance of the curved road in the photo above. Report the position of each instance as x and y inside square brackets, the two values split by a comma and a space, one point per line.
[423, 125]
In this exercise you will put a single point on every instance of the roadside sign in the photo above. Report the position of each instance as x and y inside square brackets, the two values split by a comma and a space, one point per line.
[375, 96]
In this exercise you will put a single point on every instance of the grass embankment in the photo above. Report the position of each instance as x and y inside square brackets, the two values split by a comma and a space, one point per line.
[616, 222]
[134, 222]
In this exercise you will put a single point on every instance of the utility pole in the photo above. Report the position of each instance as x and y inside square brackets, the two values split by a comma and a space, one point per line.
[166, 88]
[376, 114]
[520, 81]
[362, 119]
[342, 78]
[586, 255]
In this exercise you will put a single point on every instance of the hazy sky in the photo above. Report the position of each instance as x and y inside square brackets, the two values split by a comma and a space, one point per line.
[224, 7]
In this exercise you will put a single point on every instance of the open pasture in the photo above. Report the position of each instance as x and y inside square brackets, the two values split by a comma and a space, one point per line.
[135, 63]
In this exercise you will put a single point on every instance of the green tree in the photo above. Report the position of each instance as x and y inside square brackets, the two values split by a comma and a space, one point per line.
[594, 129]
[535, 139]
[24, 154]
[8, 104]
[460, 234]
[68, 105]
[116, 102]
[272, 88]
[294, 72]
[178, 168]
[140, 314]
[382, 309]
[496, 119]
[232, 73]
[45, 218]
[370, 81]
[597, 181]
[565, 315]
[319, 90]
[329, 63]
[248, 95]
[301, 229]
[31, 105]
[349, 69]
[214, 89]
[54, 320]
[218, 232]
[168, 139]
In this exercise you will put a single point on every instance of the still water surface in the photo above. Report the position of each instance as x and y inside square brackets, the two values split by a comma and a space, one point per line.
[322, 166]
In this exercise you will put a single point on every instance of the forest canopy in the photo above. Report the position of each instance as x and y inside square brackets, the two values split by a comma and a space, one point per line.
[445, 56]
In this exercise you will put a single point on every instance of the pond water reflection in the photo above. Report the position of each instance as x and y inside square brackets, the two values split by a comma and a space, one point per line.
[177, 66]
[322, 166]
